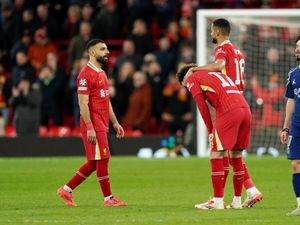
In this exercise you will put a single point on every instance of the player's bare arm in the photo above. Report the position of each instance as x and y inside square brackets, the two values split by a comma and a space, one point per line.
[217, 66]
[83, 101]
[118, 128]
[290, 105]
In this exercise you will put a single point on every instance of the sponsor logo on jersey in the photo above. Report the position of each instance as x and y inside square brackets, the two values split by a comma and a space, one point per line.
[104, 93]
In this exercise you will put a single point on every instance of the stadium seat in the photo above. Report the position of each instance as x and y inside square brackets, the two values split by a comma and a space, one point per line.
[60, 131]
[10, 131]
[76, 132]
[43, 131]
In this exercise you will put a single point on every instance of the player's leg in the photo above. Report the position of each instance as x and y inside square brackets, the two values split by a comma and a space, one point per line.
[226, 167]
[253, 194]
[296, 185]
[243, 141]
[217, 178]
[83, 172]
[102, 154]
[103, 178]
[238, 177]
[294, 156]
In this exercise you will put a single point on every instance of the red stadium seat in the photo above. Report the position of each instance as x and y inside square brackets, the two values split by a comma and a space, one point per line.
[60, 131]
[43, 131]
[76, 132]
[10, 132]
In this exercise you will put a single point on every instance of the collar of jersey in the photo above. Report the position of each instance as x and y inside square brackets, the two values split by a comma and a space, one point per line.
[90, 64]
[225, 42]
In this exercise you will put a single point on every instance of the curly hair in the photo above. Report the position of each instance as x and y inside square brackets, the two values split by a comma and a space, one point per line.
[183, 70]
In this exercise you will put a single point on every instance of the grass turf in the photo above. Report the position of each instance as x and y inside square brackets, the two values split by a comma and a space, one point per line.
[157, 191]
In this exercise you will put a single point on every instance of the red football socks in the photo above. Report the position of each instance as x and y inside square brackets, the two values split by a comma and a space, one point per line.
[226, 169]
[217, 177]
[102, 174]
[248, 183]
[238, 175]
[83, 172]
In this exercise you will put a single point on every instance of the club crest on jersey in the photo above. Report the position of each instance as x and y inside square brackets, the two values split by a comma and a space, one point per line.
[297, 92]
[82, 82]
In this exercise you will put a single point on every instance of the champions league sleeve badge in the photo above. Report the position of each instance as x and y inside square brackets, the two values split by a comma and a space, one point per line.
[83, 83]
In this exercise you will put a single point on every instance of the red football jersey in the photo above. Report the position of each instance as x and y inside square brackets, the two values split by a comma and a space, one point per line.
[218, 89]
[234, 62]
[93, 82]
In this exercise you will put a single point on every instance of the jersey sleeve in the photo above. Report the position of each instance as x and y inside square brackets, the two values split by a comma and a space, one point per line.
[83, 83]
[220, 53]
[289, 88]
[201, 103]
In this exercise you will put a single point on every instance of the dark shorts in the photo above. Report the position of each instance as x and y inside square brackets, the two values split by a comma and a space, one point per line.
[293, 148]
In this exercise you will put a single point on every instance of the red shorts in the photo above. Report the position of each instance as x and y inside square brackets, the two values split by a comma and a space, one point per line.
[97, 151]
[232, 130]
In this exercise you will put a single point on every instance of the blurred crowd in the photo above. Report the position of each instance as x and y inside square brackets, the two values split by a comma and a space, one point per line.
[42, 50]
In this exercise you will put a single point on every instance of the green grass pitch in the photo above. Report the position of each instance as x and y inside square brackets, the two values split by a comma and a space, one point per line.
[157, 191]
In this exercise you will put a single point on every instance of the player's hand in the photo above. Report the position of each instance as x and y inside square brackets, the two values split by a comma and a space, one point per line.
[284, 137]
[119, 130]
[91, 136]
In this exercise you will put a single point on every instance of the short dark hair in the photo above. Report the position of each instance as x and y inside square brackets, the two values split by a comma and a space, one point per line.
[92, 43]
[183, 70]
[298, 38]
[223, 25]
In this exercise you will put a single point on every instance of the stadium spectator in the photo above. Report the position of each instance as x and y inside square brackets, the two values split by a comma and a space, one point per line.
[173, 34]
[77, 66]
[72, 22]
[139, 9]
[22, 69]
[141, 38]
[38, 51]
[138, 114]
[186, 53]
[176, 106]
[227, 56]
[78, 43]
[128, 54]
[87, 13]
[5, 93]
[50, 85]
[26, 100]
[60, 75]
[108, 21]
[96, 111]
[22, 44]
[165, 12]
[156, 81]
[47, 20]
[165, 56]
[29, 22]
[290, 133]
[271, 119]
[124, 87]
[230, 130]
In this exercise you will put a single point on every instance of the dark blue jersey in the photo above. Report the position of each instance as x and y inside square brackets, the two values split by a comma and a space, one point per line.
[293, 91]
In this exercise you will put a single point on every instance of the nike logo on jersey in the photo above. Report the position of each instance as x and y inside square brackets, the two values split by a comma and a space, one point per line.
[293, 82]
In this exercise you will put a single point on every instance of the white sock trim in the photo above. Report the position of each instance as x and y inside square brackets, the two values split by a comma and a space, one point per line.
[107, 198]
[67, 188]
[298, 201]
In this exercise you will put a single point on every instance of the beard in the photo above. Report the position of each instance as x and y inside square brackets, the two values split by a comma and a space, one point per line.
[214, 40]
[101, 59]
